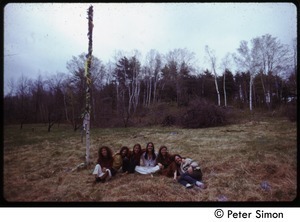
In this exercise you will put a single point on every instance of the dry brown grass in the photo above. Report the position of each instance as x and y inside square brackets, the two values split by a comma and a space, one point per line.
[235, 159]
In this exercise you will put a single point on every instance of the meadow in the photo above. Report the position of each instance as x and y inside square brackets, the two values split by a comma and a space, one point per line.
[254, 160]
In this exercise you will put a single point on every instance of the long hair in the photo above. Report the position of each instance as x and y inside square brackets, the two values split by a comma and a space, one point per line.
[101, 157]
[124, 148]
[139, 146]
[164, 160]
[140, 150]
[160, 157]
[153, 151]
[173, 157]
[136, 156]
[159, 152]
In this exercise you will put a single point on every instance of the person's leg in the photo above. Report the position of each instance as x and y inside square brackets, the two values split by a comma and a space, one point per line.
[108, 174]
[153, 169]
[97, 171]
[131, 168]
[141, 170]
[197, 174]
[125, 166]
[182, 181]
[104, 176]
[186, 179]
[113, 172]
[200, 185]
[190, 179]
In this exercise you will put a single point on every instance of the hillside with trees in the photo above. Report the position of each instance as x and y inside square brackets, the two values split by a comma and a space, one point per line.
[165, 89]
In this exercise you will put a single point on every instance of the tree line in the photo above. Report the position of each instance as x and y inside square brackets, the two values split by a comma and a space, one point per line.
[129, 89]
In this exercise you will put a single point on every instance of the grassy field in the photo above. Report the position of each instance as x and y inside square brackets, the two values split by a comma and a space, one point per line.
[250, 161]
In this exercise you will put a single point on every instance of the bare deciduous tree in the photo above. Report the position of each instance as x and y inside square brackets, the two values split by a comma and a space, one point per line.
[225, 65]
[273, 57]
[152, 71]
[247, 59]
[213, 61]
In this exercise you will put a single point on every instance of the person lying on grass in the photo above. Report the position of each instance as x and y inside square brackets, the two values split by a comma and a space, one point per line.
[187, 172]
[104, 169]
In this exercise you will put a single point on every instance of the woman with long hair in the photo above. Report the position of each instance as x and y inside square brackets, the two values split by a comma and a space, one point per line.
[135, 156]
[103, 170]
[148, 164]
[164, 159]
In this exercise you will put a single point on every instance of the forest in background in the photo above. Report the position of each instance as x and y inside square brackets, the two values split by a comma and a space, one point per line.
[161, 89]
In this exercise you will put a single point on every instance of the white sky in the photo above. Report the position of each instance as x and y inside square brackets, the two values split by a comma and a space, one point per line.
[40, 38]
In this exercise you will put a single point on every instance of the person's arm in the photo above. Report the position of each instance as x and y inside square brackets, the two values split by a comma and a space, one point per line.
[192, 165]
[175, 175]
[160, 165]
[190, 170]
[142, 162]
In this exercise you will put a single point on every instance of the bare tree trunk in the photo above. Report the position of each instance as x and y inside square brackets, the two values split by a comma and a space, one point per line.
[150, 91]
[263, 86]
[250, 92]
[147, 92]
[224, 88]
[213, 59]
[130, 94]
[136, 94]
[144, 98]
[65, 104]
[217, 89]
[154, 91]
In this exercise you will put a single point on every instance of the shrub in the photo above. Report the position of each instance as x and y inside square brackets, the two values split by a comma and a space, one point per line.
[291, 111]
[169, 120]
[203, 114]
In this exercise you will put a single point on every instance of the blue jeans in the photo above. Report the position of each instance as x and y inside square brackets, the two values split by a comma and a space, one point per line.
[186, 178]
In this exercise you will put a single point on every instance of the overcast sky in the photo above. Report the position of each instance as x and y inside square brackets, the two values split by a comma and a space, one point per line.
[40, 38]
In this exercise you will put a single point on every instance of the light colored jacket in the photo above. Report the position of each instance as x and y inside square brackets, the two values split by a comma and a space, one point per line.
[186, 164]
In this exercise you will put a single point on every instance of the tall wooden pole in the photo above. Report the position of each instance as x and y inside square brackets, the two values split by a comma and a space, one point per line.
[88, 82]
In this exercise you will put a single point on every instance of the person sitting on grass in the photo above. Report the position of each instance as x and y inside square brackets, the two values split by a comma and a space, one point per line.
[148, 163]
[135, 156]
[103, 170]
[188, 172]
[164, 159]
[121, 160]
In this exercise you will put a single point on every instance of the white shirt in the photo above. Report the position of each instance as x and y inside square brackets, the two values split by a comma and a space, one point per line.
[148, 162]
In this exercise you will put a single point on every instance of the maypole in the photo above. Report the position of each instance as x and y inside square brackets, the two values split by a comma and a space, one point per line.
[88, 82]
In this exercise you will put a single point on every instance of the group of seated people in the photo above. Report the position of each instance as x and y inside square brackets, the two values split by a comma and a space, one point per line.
[146, 161]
